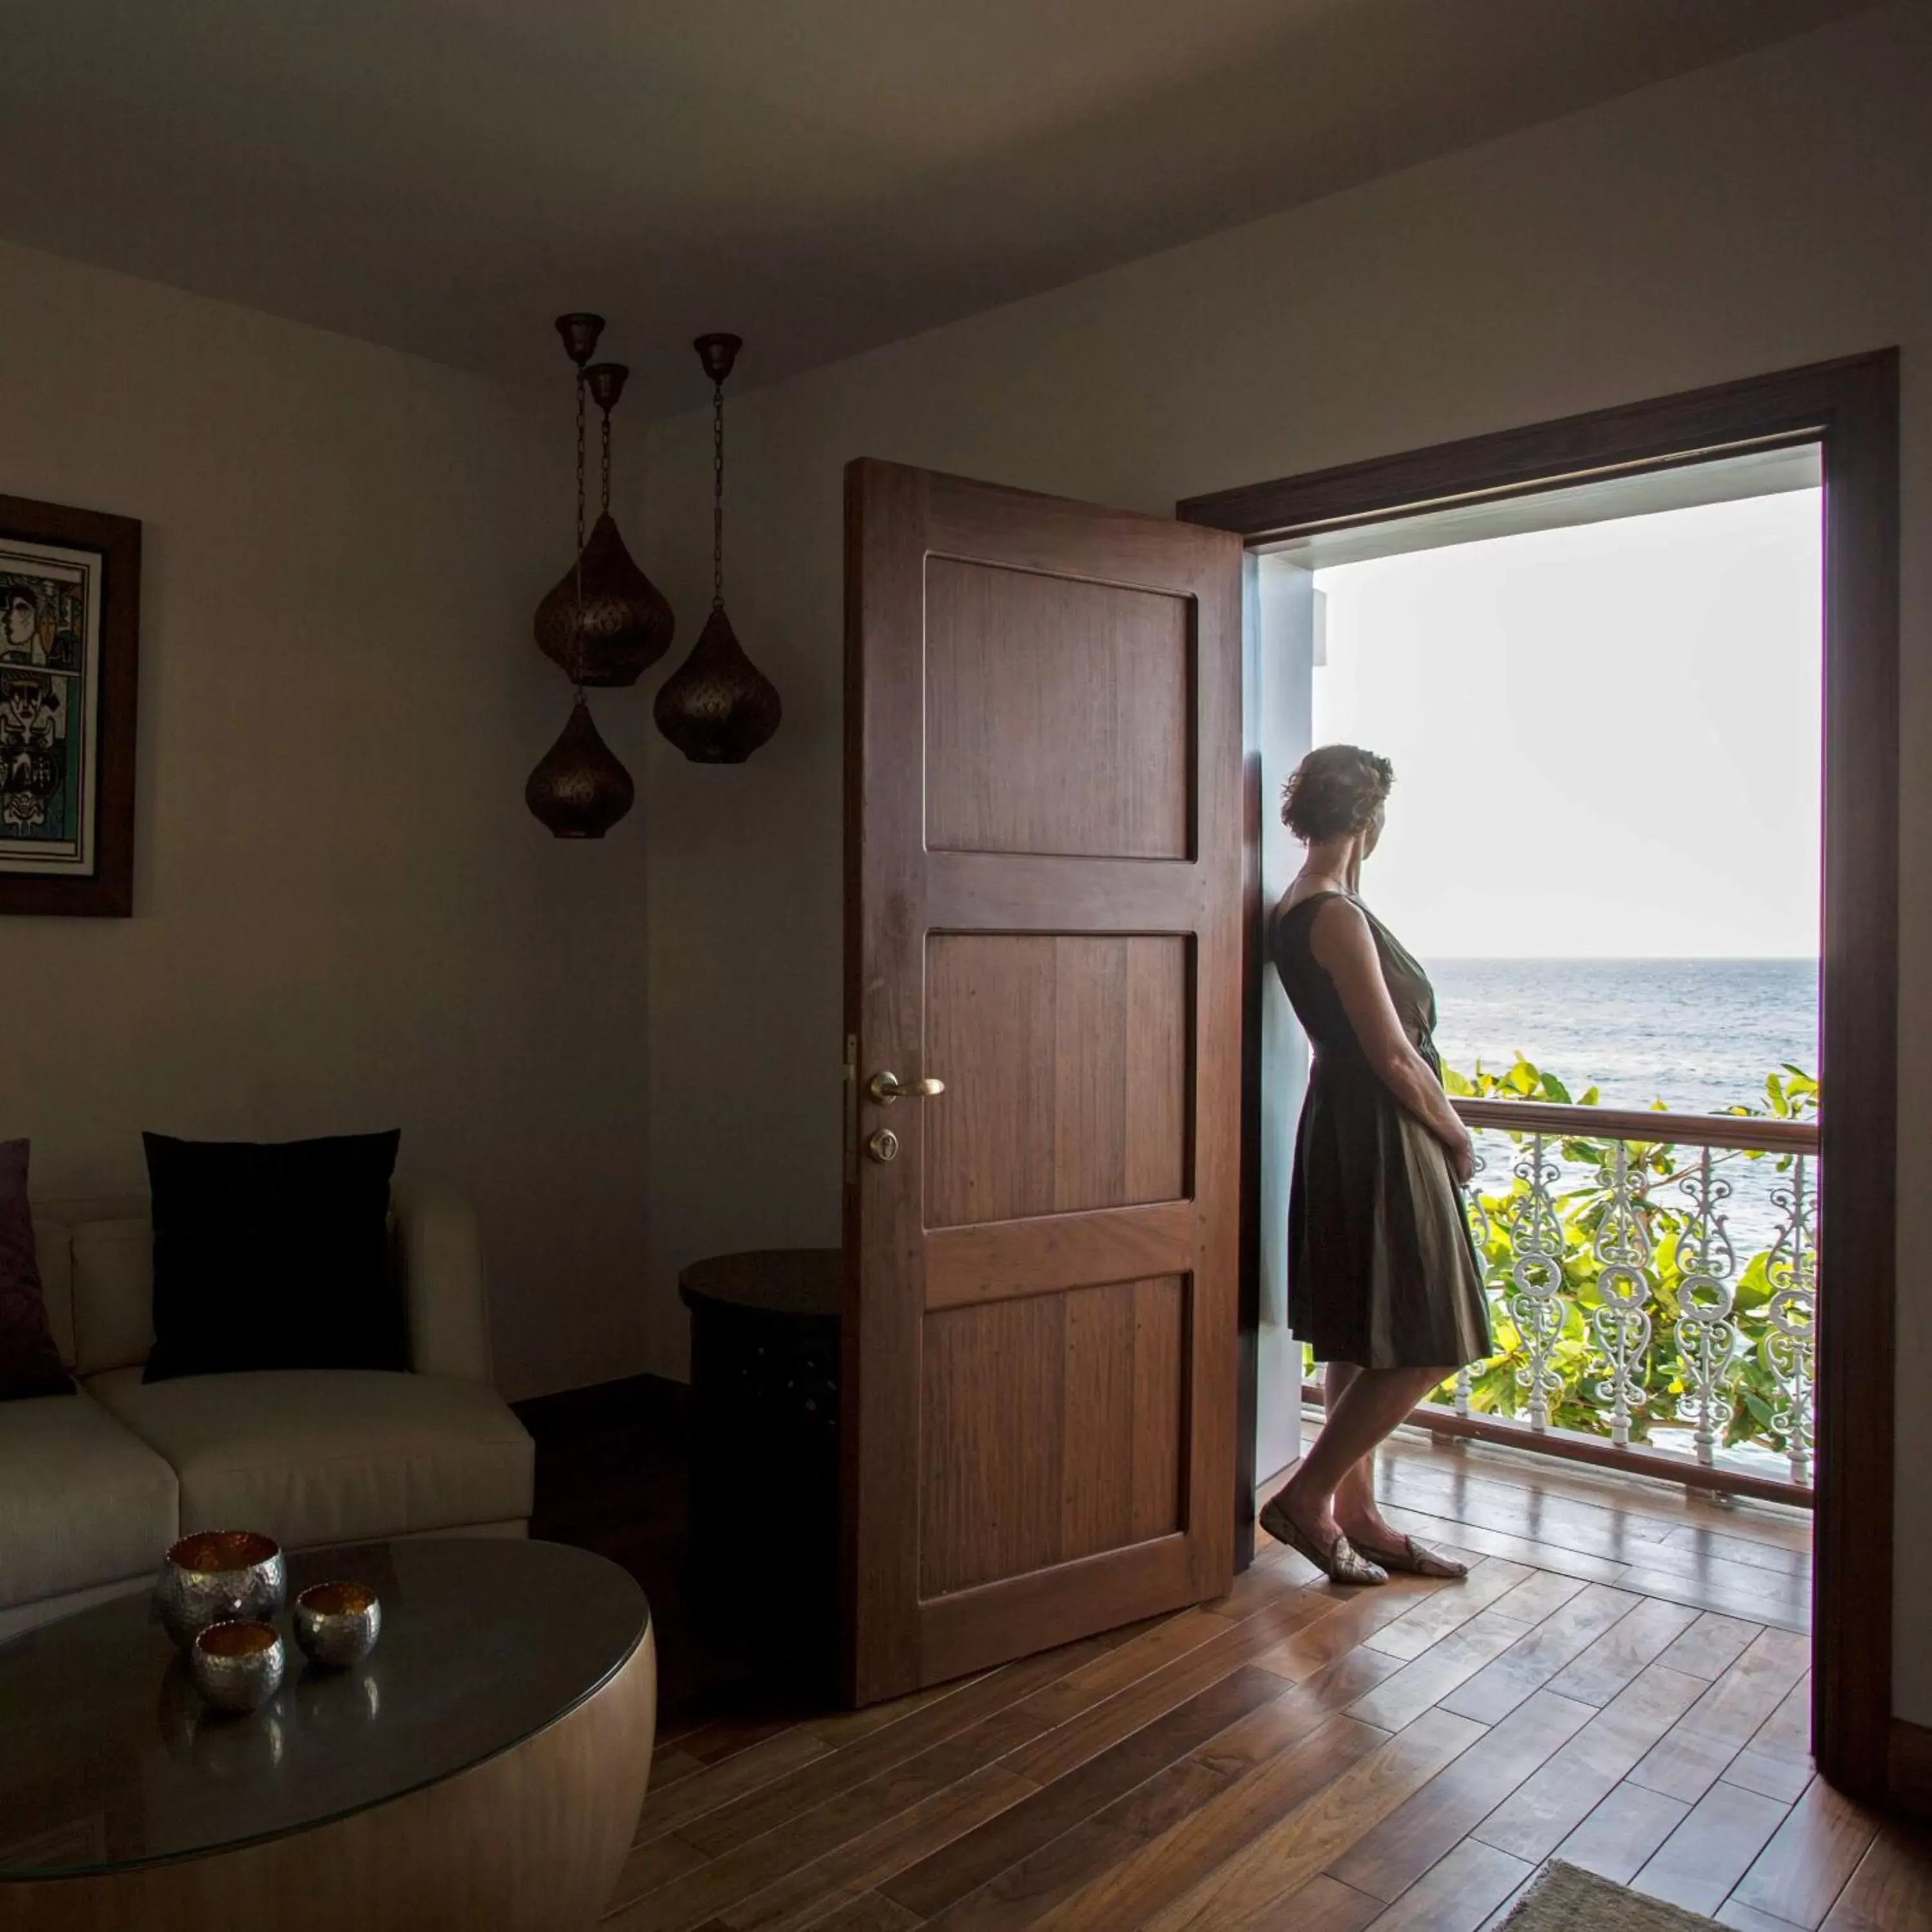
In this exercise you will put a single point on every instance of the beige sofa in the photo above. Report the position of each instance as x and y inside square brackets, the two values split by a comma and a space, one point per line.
[94, 1487]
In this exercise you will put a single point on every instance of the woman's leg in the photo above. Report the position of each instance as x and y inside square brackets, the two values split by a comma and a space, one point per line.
[1354, 1504]
[1332, 1489]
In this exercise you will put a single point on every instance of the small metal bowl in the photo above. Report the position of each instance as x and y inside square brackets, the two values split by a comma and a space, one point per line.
[338, 1624]
[237, 1666]
[216, 1576]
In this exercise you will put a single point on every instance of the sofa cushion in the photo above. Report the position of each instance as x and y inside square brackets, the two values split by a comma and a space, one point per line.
[274, 1255]
[331, 1455]
[82, 1500]
[30, 1364]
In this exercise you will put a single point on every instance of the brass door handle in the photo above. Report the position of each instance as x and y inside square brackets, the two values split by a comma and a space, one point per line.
[887, 1088]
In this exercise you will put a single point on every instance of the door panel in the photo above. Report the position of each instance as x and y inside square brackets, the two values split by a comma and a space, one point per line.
[1058, 715]
[1052, 1428]
[1043, 905]
[1068, 1054]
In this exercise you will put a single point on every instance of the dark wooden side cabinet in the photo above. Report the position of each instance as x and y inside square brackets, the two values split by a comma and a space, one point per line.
[764, 1471]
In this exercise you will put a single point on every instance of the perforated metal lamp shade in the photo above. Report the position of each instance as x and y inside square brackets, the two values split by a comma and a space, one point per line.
[579, 789]
[718, 707]
[605, 622]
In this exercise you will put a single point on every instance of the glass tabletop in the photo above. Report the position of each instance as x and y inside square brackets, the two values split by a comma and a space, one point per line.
[109, 1759]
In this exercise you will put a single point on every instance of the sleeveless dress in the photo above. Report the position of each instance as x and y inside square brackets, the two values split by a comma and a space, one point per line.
[1381, 1269]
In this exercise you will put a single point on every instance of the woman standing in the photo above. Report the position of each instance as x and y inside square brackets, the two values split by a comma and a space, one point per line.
[1382, 1276]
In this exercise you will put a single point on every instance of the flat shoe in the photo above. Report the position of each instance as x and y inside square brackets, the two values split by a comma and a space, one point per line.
[1414, 1559]
[1339, 1562]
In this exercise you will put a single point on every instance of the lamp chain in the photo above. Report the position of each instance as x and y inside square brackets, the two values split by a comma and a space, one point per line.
[717, 496]
[606, 504]
[576, 568]
[580, 461]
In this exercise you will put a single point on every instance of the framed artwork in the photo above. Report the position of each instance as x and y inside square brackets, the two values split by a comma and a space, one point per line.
[69, 611]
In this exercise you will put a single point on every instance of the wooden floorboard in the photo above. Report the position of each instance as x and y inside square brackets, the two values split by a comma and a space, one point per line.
[1458, 1893]
[1619, 1836]
[1712, 1848]
[1622, 1681]
[1695, 1752]
[1473, 1537]
[1292, 1849]
[1810, 1857]
[1778, 1760]
[1550, 1804]
[1603, 1667]
[1413, 1838]
[1892, 1886]
[948, 1875]
[1660, 1505]
[874, 1859]
[1026, 1891]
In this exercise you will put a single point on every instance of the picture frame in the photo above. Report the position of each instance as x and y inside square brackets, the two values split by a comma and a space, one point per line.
[69, 629]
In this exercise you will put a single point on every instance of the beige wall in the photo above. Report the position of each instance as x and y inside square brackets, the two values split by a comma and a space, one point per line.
[344, 919]
[1763, 214]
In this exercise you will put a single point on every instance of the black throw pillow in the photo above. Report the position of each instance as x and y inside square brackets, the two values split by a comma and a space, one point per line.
[30, 1364]
[273, 1256]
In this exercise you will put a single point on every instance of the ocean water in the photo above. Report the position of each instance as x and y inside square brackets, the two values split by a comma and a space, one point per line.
[1699, 1034]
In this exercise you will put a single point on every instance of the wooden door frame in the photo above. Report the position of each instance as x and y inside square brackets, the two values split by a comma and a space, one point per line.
[1850, 408]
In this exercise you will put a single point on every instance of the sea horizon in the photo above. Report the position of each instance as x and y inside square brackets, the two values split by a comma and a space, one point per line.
[1699, 1032]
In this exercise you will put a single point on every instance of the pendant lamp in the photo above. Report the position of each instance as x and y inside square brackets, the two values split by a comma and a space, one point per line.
[604, 623]
[717, 707]
[579, 789]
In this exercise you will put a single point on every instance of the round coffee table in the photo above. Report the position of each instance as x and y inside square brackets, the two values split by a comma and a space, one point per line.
[482, 1769]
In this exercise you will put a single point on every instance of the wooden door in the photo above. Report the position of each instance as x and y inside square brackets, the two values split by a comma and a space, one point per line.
[1043, 905]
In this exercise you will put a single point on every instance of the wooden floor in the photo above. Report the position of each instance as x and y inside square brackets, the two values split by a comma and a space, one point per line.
[1620, 1682]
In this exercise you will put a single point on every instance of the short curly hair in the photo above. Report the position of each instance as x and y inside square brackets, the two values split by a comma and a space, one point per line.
[1336, 790]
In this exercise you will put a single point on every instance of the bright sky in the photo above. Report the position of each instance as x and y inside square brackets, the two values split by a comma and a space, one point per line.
[1605, 738]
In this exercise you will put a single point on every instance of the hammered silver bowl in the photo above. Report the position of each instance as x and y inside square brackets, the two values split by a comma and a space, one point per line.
[338, 1624]
[216, 1576]
[238, 1665]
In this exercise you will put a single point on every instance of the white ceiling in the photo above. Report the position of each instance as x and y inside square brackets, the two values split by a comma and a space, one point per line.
[820, 175]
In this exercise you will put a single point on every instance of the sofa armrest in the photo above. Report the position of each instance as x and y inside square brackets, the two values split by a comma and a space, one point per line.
[440, 1258]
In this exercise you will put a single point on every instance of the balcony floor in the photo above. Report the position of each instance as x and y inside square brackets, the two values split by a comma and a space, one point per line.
[1743, 1559]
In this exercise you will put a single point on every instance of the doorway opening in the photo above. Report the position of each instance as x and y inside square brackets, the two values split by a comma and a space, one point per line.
[1842, 418]
[1602, 707]
[1604, 844]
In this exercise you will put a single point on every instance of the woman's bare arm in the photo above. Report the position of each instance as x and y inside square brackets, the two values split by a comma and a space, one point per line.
[1343, 945]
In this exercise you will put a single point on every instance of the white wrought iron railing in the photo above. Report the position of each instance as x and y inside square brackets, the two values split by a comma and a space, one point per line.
[1653, 1279]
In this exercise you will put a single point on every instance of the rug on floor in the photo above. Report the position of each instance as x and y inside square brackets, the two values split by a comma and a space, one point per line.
[1567, 1898]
